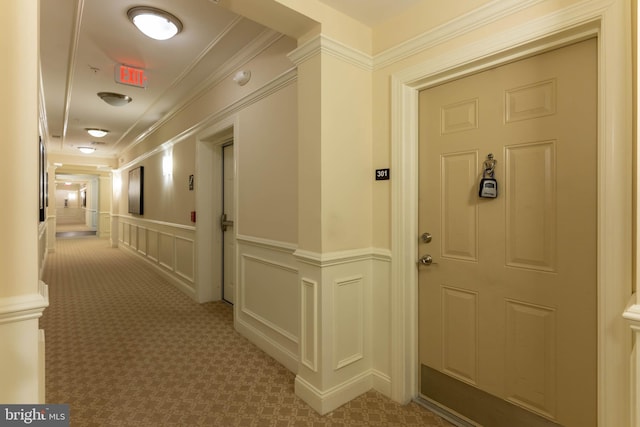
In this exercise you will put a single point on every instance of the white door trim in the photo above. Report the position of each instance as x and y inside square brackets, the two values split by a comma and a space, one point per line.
[208, 188]
[610, 21]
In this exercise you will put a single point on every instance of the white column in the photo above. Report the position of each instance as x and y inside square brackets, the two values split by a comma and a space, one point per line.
[22, 296]
[334, 223]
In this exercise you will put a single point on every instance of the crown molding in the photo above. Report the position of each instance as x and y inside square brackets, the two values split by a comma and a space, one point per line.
[493, 11]
[329, 46]
[480, 17]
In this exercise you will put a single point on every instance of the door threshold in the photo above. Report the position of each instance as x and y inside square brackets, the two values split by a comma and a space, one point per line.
[446, 413]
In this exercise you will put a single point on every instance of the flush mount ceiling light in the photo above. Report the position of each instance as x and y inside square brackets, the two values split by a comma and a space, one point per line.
[86, 150]
[154, 23]
[97, 133]
[115, 99]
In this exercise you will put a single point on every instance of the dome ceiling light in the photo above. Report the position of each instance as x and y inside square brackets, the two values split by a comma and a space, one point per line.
[86, 150]
[97, 133]
[115, 99]
[154, 23]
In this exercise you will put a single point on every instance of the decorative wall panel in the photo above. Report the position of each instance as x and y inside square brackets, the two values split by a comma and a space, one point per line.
[185, 258]
[142, 240]
[133, 236]
[348, 327]
[170, 247]
[165, 250]
[309, 326]
[268, 294]
[126, 228]
[152, 245]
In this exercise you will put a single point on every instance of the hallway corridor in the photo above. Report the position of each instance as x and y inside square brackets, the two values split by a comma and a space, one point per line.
[124, 347]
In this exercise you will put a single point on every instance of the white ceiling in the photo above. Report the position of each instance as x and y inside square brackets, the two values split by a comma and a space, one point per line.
[82, 41]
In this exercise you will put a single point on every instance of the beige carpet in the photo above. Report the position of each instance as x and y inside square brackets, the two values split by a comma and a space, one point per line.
[126, 348]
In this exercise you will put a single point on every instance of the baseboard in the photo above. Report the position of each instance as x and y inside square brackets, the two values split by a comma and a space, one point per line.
[41, 367]
[381, 383]
[272, 348]
[325, 402]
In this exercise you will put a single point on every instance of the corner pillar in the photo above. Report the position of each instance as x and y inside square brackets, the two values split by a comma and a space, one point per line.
[22, 296]
[335, 219]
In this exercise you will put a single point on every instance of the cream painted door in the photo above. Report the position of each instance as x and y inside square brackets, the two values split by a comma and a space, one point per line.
[228, 234]
[507, 309]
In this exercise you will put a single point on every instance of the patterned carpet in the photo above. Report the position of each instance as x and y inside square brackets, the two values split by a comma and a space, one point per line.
[126, 348]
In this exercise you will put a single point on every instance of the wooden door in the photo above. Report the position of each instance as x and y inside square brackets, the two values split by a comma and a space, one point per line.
[507, 309]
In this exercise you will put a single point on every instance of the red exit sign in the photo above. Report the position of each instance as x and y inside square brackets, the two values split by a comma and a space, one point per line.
[130, 76]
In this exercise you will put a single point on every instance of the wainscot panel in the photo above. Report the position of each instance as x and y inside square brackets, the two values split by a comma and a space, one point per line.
[165, 249]
[168, 247]
[348, 303]
[125, 233]
[133, 236]
[185, 258]
[152, 246]
[104, 224]
[268, 308]
[142, 240]
[338, 290]
[309, 324]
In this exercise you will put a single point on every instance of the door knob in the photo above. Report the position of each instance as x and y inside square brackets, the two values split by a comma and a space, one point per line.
[426, 260]
[425, 237]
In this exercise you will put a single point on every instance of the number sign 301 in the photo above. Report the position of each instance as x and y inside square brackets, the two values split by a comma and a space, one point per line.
[382, 174]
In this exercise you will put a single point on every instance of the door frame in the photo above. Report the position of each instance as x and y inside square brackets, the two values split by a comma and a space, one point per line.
[226, 142]
[614, 228]
[208, 188]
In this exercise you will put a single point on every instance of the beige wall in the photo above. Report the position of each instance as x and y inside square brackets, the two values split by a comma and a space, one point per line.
[347, 175]
[267, 161]
[420, 18]
[210, 105]
[268, 168]
[166, 198]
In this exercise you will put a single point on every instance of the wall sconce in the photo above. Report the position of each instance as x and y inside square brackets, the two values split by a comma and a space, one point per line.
[242, 77]
[116, 182]
[167, 165]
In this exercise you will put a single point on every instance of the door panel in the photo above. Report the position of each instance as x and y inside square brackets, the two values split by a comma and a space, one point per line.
[508, 306]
